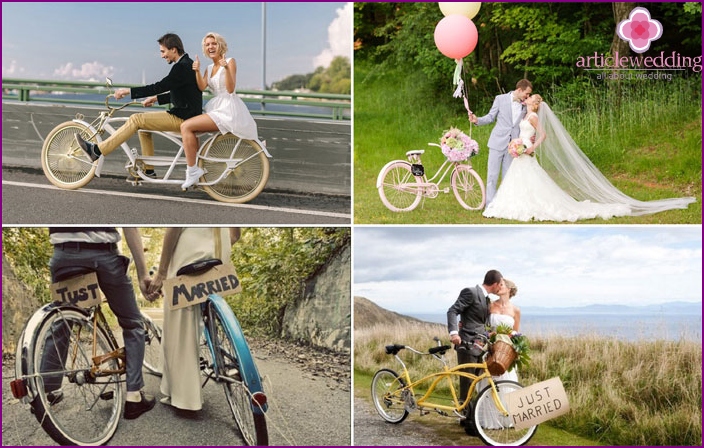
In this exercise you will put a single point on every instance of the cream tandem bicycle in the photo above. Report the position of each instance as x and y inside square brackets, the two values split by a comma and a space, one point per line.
[236, 170]
[396, 395]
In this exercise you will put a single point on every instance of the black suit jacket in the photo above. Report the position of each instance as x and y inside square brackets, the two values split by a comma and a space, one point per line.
[472, 307]
[178, 88]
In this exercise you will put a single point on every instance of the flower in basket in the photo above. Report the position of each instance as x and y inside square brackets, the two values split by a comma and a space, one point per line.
[457, 146]
[516, 148]
[504, 333]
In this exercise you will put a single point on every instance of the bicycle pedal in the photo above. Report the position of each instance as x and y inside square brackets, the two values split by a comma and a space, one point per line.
[107, 396]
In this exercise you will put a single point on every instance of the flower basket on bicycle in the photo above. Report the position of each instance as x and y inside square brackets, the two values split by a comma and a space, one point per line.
[457, 146]
[501, 356]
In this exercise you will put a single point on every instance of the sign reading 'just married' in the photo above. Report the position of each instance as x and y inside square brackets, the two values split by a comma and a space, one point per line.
[82, 291]
[187, 290]
[537, 403]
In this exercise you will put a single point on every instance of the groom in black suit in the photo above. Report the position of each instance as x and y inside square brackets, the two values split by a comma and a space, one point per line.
[472, 307]
[178, 88]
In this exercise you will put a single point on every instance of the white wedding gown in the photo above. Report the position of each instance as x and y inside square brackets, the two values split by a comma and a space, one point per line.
[227, 110]
[492, 420]
[528, 193]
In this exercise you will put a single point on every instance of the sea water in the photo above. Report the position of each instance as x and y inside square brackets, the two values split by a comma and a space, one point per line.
[629, 327]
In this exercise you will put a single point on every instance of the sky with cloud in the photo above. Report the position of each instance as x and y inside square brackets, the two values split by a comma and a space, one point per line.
[422, 269]
[89, 41]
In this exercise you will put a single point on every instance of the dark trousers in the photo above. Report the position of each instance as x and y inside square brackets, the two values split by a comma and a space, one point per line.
[111, 268]
[464, 357]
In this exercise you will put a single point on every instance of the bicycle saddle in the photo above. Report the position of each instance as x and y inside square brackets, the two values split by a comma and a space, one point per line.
[199, 267]
[68, 272]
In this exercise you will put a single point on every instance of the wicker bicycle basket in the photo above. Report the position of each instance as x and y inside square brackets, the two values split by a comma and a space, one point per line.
[501, 356]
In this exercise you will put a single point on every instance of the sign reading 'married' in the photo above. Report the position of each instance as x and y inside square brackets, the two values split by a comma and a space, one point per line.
[82, 291]
[187, 290]
[537, 403]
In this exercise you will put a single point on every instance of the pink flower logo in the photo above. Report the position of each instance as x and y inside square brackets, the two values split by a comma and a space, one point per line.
[639, 30]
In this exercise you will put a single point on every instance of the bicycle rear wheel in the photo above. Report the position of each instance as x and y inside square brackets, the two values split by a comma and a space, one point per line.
[64, 163]
[246, 180]
[468, 187]
[153, 356]
[236, 370]
[387, 393]
[494, 428]
[398, 187]
[72, 407]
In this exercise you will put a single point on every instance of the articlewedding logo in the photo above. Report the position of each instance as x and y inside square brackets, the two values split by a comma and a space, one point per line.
[639, 30]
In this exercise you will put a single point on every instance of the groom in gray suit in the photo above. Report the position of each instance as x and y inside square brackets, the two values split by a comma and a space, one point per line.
[472, 308]
[508, 110]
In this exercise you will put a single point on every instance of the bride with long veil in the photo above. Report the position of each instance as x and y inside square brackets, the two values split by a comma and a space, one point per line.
[562, 184]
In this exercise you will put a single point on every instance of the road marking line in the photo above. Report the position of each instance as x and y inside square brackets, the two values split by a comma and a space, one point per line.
[187, 200]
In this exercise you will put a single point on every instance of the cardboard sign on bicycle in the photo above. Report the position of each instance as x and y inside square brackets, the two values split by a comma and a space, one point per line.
[537, 403]
[187, 290]
[82, 291]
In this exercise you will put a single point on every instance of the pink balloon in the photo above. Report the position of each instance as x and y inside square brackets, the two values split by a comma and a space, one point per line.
[456, 36]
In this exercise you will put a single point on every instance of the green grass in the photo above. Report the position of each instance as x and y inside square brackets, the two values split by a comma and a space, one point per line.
[646, 140]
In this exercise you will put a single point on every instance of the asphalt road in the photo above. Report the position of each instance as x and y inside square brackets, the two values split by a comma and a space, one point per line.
[305, 409]
[29, 199]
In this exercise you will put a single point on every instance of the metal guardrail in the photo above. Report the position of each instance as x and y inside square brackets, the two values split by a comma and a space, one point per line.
[296, 103]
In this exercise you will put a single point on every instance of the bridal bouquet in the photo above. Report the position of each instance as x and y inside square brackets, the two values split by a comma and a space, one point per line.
[505, 335]
[457, 146]
[516, 148]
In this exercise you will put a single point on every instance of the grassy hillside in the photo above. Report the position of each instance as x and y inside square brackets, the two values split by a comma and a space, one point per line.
[646, 140]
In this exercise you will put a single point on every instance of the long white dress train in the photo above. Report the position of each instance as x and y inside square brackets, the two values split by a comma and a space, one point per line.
[528, 193]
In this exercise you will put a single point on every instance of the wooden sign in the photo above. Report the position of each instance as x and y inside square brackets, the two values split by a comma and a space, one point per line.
[187, 290]
[82, 291]
[537, 403]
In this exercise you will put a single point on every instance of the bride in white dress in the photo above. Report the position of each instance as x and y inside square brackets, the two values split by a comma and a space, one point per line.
[502, 311]
[225, 112]
[573, 190]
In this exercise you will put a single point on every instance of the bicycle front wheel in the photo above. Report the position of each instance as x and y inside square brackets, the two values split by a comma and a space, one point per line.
[153, 356]
[493, 427]
[64, 163]
[235, 369]
[398, 188]
[73, 407]
[468, 187]
[387, 394]
[244, 163]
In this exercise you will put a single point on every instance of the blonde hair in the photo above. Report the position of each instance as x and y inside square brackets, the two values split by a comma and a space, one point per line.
[222, 45]
[512, 288]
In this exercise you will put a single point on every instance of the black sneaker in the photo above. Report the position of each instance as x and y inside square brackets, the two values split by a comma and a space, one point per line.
[91, 149]
[134, 409]
[150, 173]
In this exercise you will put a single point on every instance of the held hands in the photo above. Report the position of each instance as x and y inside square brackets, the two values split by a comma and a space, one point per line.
[144, 285]
[196, 65]
[155, 286]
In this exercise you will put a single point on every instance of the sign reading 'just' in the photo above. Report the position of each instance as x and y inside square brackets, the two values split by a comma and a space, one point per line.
[82, 291]
[187, 290]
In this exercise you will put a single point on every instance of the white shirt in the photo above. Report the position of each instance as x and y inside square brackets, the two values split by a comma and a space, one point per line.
[516, 109]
